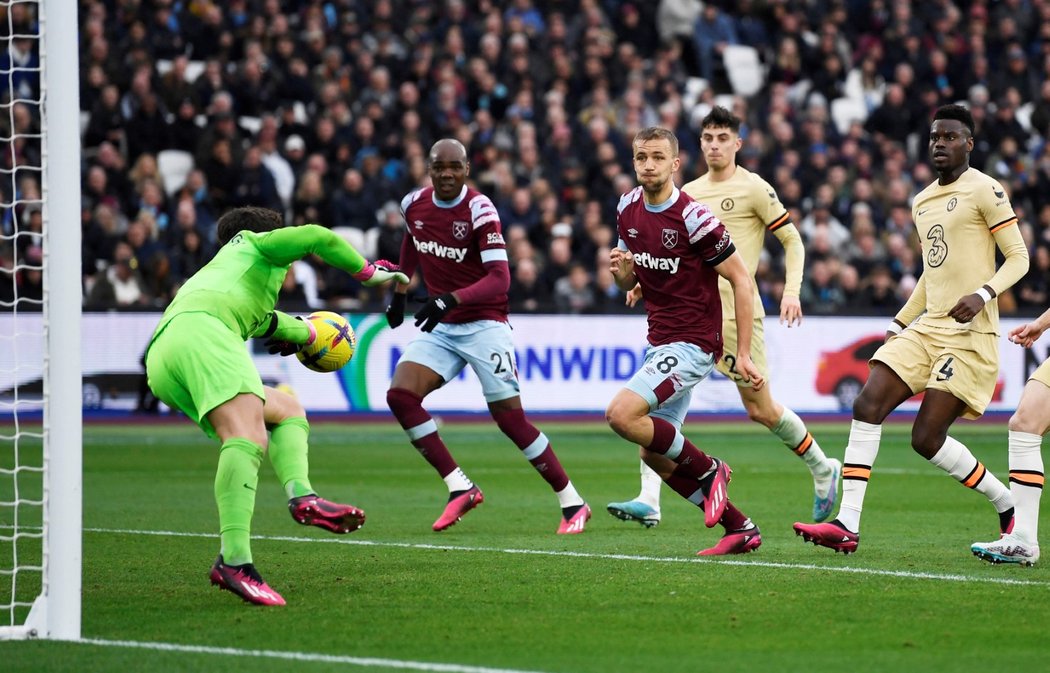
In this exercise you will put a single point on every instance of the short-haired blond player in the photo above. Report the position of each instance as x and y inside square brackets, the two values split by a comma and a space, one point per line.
[748, 207]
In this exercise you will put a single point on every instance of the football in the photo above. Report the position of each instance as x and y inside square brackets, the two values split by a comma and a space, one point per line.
[335, 343]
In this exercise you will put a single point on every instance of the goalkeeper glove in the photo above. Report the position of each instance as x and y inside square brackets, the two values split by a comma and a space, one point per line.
[434, 310]
[395, 312]
[379, 273]
[275, 346]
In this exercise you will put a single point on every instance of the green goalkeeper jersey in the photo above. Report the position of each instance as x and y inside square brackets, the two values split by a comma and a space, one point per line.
[240, 285]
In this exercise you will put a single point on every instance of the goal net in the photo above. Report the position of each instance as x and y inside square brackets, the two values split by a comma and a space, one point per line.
[40, 311]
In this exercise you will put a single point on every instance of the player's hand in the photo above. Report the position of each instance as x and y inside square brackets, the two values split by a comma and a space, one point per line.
[634, 295]
[379, 273]
[275, 346]
[395, 312]
[967, 308]
[1026, 334]
[621, 263]
[745, 366]
[790, 311]
[428, 317]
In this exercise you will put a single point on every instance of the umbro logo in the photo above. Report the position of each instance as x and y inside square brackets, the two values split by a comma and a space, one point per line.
[419, 224]
[632, 232]
[998, 194]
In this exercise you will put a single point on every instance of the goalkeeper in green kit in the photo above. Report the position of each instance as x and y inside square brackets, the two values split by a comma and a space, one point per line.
[197, 362]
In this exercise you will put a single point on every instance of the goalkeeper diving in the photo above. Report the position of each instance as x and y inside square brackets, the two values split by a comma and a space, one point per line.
[197, 363]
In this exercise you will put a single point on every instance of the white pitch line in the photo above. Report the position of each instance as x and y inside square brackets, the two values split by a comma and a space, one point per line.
[904, 574]
[302, 656]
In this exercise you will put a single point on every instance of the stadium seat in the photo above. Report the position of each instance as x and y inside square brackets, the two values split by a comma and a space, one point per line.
[845, 111]
[250, 124]
[174, 165]
[365, 242]
[746, 73]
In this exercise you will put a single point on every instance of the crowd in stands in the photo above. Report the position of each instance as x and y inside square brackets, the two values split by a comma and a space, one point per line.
[326, 109]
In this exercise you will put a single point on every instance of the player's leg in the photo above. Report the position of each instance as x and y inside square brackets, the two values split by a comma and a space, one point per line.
[536, 448]
[200, 367]
[930, 440]
[1027, 426]
[960, 384]
[428, 362]
[289, 455]
[789, 428]
[883, 392]
[489, 350]
[649, 412]
[645, 507]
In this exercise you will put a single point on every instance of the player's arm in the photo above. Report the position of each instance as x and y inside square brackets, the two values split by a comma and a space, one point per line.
[409, 259]
[911, 310]
[794, 262]
[286, 245]
[621, 264]
[733, 269]
[1027, 334]
[1008, 238]
[285, 334]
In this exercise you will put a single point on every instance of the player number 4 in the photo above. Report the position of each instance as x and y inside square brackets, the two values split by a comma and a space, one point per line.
[946, 371]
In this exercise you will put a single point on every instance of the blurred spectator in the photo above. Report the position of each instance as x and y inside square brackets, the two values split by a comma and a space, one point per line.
[574, 293]
[821, 293]
[121, 285]
[528, 293]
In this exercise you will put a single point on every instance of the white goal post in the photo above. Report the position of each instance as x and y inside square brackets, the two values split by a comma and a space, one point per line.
[55, 612]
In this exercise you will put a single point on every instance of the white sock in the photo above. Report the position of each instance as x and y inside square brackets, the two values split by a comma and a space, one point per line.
[568, 497]
[651, 482]
[792, 431]
[861, 451]
[955, 459]
[457, 480]
[1026, 483]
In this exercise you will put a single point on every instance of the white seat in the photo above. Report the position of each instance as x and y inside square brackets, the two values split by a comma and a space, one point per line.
[746, 73]
[174, 166]
[1023, 115]
[845, 111]
[365, 242]
[250, 124]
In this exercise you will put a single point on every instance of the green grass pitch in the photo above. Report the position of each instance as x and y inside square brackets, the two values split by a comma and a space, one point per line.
[501, 592]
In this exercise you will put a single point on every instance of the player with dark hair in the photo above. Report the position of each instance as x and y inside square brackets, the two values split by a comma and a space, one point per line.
[676, 249]
[944, 341]
[1027, 426]
[453, 235]
[749, 208]
[196, 362]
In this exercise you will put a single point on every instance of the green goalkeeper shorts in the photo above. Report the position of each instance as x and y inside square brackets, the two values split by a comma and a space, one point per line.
[196, 363]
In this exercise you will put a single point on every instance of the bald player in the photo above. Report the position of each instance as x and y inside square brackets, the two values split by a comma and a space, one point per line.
[945, 340]
[453, 236]
[748, 207]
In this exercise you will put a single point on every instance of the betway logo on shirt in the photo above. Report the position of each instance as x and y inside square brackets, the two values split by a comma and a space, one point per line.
[657, 263]
[438, 250]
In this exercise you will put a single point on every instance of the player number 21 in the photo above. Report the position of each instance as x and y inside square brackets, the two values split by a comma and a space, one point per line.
[501, 366]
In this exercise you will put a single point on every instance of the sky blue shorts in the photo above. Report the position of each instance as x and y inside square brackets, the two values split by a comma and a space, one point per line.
[667, 378]
[485, 345]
